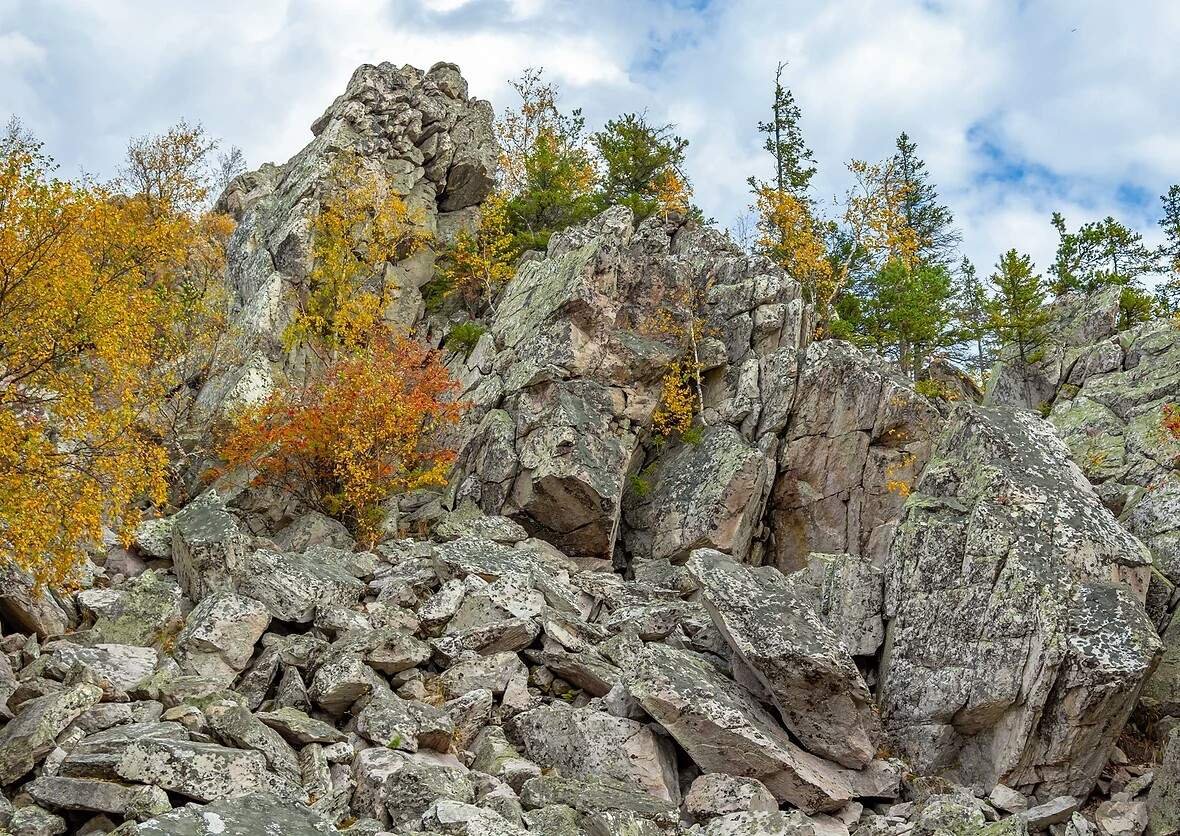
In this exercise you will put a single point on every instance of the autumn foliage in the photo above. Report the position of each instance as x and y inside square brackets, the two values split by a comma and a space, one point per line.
[92, 296]
[368, 428]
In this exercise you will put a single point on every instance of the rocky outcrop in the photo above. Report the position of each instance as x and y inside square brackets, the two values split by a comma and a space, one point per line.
[1017, 642]
[833, 606]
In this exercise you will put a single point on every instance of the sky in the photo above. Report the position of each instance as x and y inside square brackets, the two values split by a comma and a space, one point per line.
[1019, 107]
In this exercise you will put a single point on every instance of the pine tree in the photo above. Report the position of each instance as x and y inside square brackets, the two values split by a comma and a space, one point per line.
[907, 313]
[1167, 296]
[932, 222]
[642, 164]
[794, 165]
[1100, 253]
[975, 327]
[1017, 311]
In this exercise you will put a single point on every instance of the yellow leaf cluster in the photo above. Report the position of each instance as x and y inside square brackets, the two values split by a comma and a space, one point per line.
[672, 192]
[89, 301]
[361, 227]
[790, 235]
[674, 414]
[874, 212]
[477, 266]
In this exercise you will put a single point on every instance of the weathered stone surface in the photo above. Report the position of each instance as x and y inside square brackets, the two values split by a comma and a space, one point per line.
[219, 635]
[847, 593]
[35, 821]
[595, 795]
[800, 662]
[582, 743]
[291, 586]
[207, 546]
[705, 495]
[716, 794]
[857, 432]
[397, 787]
[201, 771]
[724, 729]
[235, 726]
[249, 815]
[29, 737]
[98, 796]
[1017, 639]
[32, 610]
[145, 611]
[1163, 801]
[298, 728]
[758, 823]
[1121, 818]
[115, 667]
[405, 724]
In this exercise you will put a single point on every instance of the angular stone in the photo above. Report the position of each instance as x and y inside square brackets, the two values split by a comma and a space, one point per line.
[815, 684]
[98, 796]
[248, 815]
[848, 595]
[31, 735]
[405, 724]
[583, 743]
[1163, 801]
[724, 729]
[706, 495]
[1051, 812]
[116, 667]
[1017, 637]
[298, 728]
[235, 726]
[219, 635]
[202, 771]
[207, 546]
[716, 794]
[1121, 818]
[400, 787]
[291, 586]
[595, 795]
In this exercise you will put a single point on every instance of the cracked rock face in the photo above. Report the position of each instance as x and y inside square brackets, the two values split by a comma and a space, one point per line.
[1016, 642]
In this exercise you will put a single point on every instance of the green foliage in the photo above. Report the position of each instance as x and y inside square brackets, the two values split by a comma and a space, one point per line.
[1135, 307]
[637, 159]
[1017, 312]
[905, 313]
[935, 389]
[546, 170]
[932, 223]
[639, 484]
[693, 435]
[974, 323]
[464, 336]
[1100, 253]
[794, 164]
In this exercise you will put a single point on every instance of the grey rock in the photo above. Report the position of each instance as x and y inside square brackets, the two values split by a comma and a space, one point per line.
[98, 796]
[724, 729]
[291, 586]
[1163, 801]
[298, 728]
[30, 736]
[207, 546]
[716, 794]
[801, 663]
[248, 815]
[219, 635]
[35, 821]
[1007, 558]
[1051, 812]
[1121, 818]
[201, 771]
[583, 743]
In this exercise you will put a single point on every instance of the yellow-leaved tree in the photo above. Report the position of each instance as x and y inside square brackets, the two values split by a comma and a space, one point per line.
[89, 305]
[361, 227]
[477, 264]
[790, 235]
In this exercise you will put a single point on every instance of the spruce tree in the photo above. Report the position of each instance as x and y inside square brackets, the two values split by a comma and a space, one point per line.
[794, 165]
[933, 223]
[1167, 295]
[1017, 312]
[974, 323]
[638, 160]
[1100, 253]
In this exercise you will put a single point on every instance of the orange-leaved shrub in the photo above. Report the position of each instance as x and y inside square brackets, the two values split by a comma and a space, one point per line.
[367, 428]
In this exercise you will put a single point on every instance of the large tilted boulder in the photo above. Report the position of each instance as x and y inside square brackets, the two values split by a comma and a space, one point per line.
[812, 679]
[1017, 641]
[857, 436]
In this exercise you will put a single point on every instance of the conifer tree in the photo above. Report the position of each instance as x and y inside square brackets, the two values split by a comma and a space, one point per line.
[975, 327]
[642, 166]
[794, 164]
[907, 313]
[932, 223]
[1100, 253]
[1167, 296]
[1017, 312]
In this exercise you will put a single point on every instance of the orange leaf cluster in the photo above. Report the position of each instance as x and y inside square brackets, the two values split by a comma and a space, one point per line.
[370, 427]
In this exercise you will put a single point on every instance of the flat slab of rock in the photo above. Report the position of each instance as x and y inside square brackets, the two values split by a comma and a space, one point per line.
[30, 736]
[202, 771]
[249, 815]
[584, 743]
[724, 729]
[292, 585]
[800, 662]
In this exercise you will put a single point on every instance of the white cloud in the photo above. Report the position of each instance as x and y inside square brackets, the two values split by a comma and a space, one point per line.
[1076, 102]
